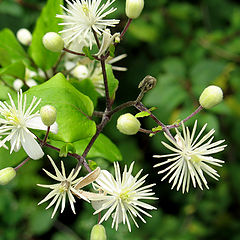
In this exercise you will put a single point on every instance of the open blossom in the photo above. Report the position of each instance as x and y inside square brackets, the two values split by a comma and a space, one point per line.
[66, 187]
[122, 197]
[83, 16]
[15, 122]
[191, 159]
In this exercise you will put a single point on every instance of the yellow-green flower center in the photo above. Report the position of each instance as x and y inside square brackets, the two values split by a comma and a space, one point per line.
[125, 196]
[63, 187]
[196, 158]
[12, 118]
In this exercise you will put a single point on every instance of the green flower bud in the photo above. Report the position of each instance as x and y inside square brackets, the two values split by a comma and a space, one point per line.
[6, 175]
[98, 233]
[48, 115]
[24, 36]
[53, 42]
[211, 96]
[134, 8]
[128, 124]
[81, 72]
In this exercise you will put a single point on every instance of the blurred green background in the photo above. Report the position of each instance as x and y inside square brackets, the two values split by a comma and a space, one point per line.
[186, 45]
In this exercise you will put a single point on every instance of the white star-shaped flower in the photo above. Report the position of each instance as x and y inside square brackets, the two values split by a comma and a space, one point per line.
[191, 159]
[67, 187]
[122, 196]
[15, 122]
[83, 16]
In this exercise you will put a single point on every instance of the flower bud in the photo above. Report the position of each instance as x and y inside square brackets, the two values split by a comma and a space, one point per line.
[98, 233]
[17, 84]
[53, 42]
[134, 8]
[6, 175]
[128, 124]
[211, 96]
[24, 36]
[31, 83]
[81, 72]
[48, 115]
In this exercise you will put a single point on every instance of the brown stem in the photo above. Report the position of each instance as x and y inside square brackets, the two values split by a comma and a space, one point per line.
[108, 101]
[22, 163]
[186, 119]
[57, 63]
[100, 127]
[125, 28]
[46, 137]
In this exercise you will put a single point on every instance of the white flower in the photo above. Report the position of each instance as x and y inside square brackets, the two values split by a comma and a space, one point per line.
[67, 187]
[15, 122]
[83, 16]
[123, 196]
[190, 158]
[107, 40]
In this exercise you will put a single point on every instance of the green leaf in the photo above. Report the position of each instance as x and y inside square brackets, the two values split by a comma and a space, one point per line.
[86, 87]
[87, 52]
[65, 149]
[40, 221]
[10, 49]
[47, 22]
[93, 165]
[142, 114]
[102, 148]
[112, 81]
[4, 90]
[11, 160]
[145, 113]
[16, 69]
[159, 128]
[204, 73]
[143, 30]
[73, 108]
[112, 50]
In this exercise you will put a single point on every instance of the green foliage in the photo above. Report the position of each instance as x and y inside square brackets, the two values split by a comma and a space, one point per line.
[186, 46]
[112, 81]
[10, 48]
[102, 148]
[72, 107]
[47, 22]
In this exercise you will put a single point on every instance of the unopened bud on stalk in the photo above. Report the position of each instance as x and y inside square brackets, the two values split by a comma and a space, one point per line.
[134, 8]
[211, 96]
[48, 115]
[6, 175]
[18, 84]
[128, 124]
[81, 72]
[98, 233]
[24, 36]
[53, 42]
[147, 83]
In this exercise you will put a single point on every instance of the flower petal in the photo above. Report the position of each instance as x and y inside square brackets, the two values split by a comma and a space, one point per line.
[30, 145]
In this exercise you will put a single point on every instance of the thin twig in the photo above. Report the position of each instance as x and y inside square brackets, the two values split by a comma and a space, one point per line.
[186, 119]
[46, 137]
[22, 163]
[125, 28]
